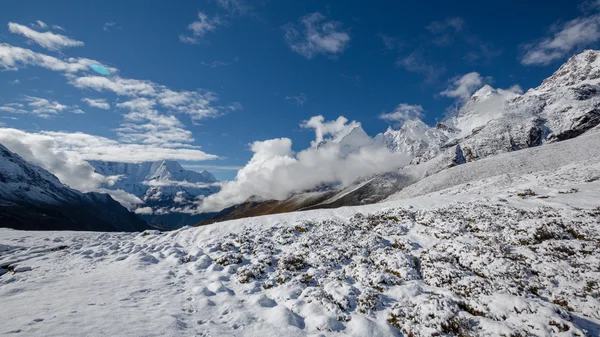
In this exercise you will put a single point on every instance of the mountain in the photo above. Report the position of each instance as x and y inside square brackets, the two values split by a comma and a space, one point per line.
[32, 198]
[414, 138]
[164, 186]
[492, 122]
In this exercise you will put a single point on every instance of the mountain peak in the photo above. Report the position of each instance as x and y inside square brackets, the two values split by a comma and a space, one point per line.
[581, 68]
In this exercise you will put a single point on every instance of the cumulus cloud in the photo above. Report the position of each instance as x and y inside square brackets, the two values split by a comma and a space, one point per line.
[200, 27]
[462, 87]
[276, 172]
[336, 129]
[403, 113]
[298, 99]
[314, 36]
[48, 40]
[563, 40]
[97, 103]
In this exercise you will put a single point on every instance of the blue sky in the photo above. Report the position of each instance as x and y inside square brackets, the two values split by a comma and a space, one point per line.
[259, 70]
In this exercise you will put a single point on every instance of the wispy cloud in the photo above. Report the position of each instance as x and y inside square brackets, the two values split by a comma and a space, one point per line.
[110, 26]
[47, 40]
[314, 36]
[417, 62]
[563, 40]
[200, 27]
[235, 7]
[14, 82]
[40, 24]
[11, 58]
[97, 103]
[402, 113]
[217, 168]
[298, 99]
[444, 31]
[216, 64]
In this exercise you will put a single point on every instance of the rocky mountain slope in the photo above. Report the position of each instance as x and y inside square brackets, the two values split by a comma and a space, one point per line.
[492, 122]
[163, 186]
[32, 198]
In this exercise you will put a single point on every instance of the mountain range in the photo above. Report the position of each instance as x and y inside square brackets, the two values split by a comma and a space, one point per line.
[491, 122]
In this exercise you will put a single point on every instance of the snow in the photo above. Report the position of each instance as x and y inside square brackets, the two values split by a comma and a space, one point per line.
[486, 255]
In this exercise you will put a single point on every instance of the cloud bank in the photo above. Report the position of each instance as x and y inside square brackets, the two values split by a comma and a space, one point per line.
[276, 172]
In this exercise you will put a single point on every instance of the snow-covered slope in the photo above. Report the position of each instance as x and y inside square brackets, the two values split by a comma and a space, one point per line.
[163, 186]
[510, 255]
[32, 198]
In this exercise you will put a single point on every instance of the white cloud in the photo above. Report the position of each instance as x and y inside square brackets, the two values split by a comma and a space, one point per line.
[40, 24]
[402, 113]
[455, 24]
[47, 40]
[41, 107]
[97, 103]
[11, 58]
[148, 124]
[118, 85]
[563, 40]
[57, 27]
[199, 28]
[212, 167]
[316, 36]
[516, 89]
[14, 82]
[41, 150]
[110, 26]
[336, 129]
[298, 99]
[90, 147]
[415, 62]
[276, 172]
[78, 111]
[127, 200]
[235, 7]
[144, 210]
[464, 86]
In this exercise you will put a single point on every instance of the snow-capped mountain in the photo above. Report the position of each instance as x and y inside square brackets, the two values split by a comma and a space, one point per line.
[495, 121]
[163, 186]
[414, 138]
[33, 198]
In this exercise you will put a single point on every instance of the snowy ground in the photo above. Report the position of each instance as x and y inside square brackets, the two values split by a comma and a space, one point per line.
[513, 255]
